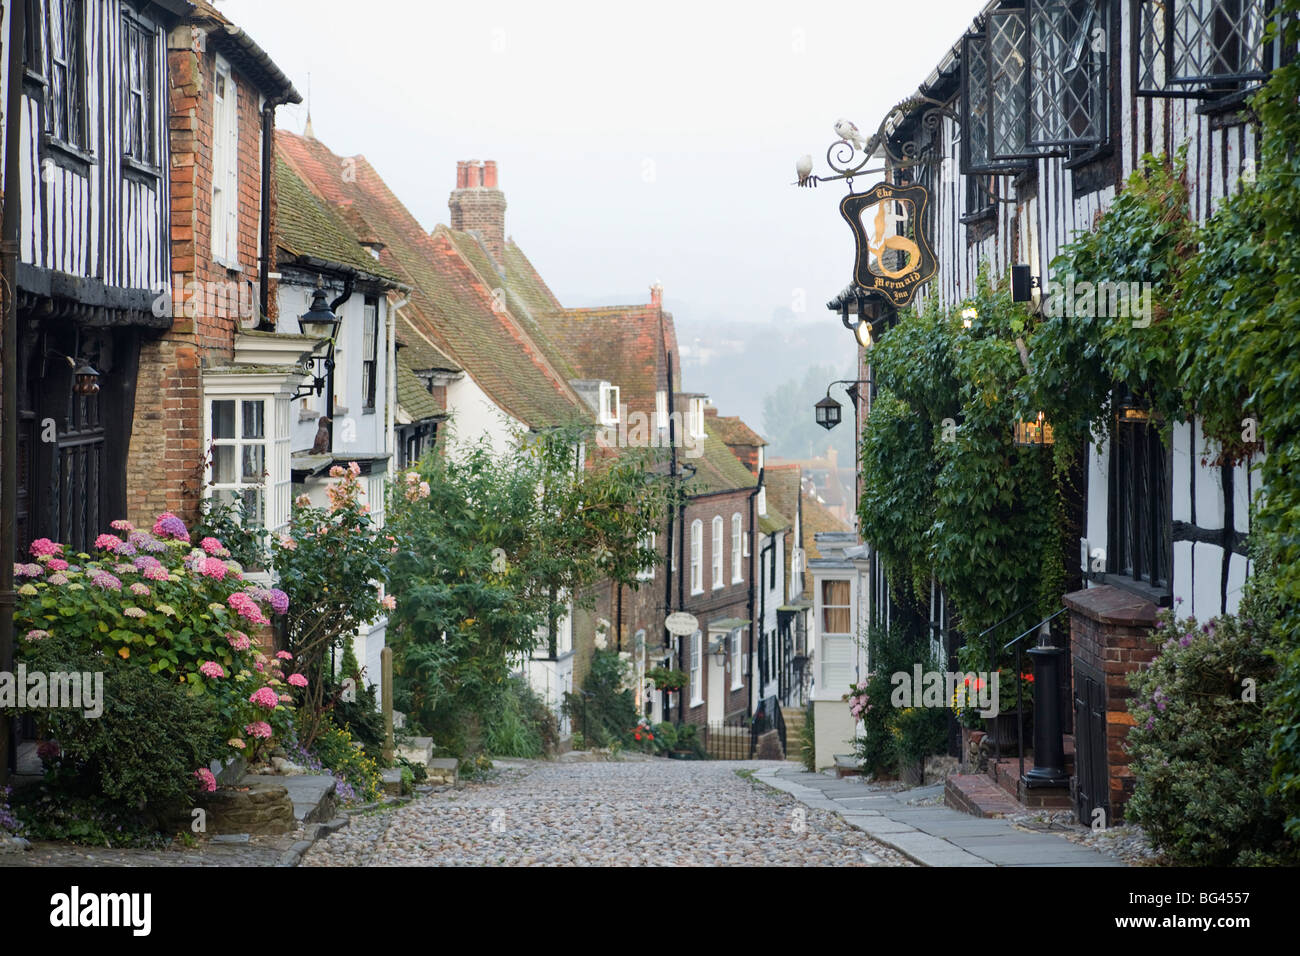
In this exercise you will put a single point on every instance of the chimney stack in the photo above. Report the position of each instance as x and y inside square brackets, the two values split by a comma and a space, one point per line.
[479, 206]
[657, 296]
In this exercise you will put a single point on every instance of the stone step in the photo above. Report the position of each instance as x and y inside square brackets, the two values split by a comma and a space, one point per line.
[442, 771]
[416, 750]
[976, 794]
[313, 795]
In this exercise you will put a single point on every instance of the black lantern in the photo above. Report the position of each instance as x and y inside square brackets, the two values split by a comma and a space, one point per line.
[86, 381]
[319, 321]
[828, 413]
[1037, 432]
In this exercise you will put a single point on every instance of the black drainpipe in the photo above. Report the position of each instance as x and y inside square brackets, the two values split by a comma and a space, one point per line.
[264, 261]
[753, 555]
[348, 284]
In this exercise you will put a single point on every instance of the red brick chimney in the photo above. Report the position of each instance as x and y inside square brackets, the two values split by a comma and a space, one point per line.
[656, 296]
[478, 206]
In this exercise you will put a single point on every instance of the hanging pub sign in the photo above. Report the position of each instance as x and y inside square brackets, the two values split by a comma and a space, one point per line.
[894, 258]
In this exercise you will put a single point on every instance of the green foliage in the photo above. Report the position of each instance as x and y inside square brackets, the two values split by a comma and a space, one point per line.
[689, 741]
[143, 751]
[489, 546]
[522, 725]
[895, 734]
[807, 742]
[49, 812]
[1200, 746]
[230, 524]
[328, 563]
[337, 751]
[666, 678]
[665, 736]
[604, 710]
[946, 491]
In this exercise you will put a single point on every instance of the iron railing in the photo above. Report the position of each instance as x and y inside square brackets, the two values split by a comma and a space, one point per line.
[1020, 688]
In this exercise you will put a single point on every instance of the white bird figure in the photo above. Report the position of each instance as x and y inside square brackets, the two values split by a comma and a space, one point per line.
[850, 134]
[803, 168]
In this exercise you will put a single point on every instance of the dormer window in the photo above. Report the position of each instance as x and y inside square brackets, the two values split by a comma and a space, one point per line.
[696, 423]
[609, 404]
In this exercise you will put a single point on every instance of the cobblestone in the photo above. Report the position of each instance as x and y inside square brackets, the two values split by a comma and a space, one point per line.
[619, 813]
[258, 851]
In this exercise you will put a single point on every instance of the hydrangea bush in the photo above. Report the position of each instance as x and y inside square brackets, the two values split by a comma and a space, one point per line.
[159, 601]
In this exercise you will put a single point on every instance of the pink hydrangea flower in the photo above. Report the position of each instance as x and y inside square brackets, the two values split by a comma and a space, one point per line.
[279, 601]
[140, 590]
[298, 680]
[236, 743]
[247, 608]
[156, 573]
[108, 542]
[286, 699]
[121, 524]
[239, 641]
[212, 669]
[27, 570]
[207, 782]
[37, 635]
[284, 655]
[213, 546]
[259, 728]
[264, 697]
[57, 564]
[215, 568]
[58, 577]
[106, 581]
[45, 547]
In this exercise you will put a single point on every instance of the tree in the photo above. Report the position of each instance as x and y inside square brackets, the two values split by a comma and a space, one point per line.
[490, 548]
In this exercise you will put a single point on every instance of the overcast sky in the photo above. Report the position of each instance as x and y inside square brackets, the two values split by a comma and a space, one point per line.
[636, 142]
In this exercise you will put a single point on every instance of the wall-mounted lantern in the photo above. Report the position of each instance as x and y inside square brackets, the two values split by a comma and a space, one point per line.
[1033, 433]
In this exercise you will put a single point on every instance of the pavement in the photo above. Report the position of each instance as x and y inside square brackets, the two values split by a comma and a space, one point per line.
[915, 823]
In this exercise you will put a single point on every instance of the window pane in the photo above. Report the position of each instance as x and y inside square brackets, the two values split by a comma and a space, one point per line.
[252, 498]
[254, 459]
[223, 419]
[223, 465]
[254, 420]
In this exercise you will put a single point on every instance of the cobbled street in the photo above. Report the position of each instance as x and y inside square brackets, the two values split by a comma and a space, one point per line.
[617, 813]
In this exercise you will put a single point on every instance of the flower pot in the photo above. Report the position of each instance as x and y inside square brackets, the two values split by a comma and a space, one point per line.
[1003, 734]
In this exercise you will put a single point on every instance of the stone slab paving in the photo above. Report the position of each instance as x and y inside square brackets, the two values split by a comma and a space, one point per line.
[916, 823]
[607, 813]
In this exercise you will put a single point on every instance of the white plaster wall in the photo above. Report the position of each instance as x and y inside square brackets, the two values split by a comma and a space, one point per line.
[474, 415]
[1182, 485]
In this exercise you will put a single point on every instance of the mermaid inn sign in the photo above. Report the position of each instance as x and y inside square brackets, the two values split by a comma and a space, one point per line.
[894, 258]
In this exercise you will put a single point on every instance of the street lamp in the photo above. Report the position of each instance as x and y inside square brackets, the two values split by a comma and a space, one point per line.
[720, 651]
[87, 379]
[320, 322]
[828, 411]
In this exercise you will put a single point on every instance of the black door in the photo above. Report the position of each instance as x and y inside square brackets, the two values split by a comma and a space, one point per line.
[1092, 789]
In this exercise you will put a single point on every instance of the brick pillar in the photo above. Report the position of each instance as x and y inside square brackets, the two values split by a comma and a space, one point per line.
[1108, 638]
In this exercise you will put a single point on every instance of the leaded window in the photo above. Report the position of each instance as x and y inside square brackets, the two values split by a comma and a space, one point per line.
[1202, 48]
[65, 103]
[1036, 83]
[139, 69]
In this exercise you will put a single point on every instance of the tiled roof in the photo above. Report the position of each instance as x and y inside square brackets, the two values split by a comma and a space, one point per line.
[619, 344]
[773, 521]
[733, 431]
[717, 469]
[816, 518]
[307, 226]
[412, 396]
[451, 304]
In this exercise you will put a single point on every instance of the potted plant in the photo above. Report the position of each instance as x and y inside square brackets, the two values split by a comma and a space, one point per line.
[666, 679]
[1004, 729]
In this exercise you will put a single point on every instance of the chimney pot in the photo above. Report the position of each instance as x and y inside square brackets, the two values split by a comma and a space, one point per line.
[490, 174]
[656, 295]
[462, 174]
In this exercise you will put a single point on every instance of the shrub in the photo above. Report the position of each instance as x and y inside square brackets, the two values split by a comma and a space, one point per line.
[688, 741]
[143, 751]
[665, 736]
[604, 710]
[808, 742]
[522, 725]
[895, 735]
[1200, 745]
[358, 773]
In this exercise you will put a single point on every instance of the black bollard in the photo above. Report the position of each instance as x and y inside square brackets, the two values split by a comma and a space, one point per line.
[1049, 745]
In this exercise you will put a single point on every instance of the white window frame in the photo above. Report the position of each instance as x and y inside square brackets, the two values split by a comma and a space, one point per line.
[697, 669]
[697, 556]
[225, 165]
[737, 550]
[609, 404]
[716, 554]
[697, 418]
[276, 391]
[737, 662]
[647, 573]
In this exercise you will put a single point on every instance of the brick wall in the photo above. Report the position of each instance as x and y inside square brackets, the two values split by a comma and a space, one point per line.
[167, 457]
[1108, 638]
